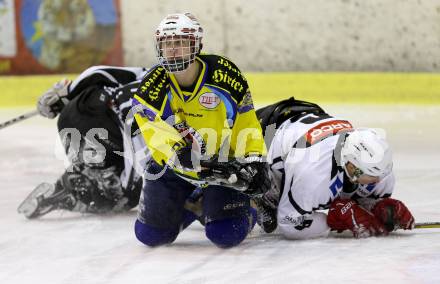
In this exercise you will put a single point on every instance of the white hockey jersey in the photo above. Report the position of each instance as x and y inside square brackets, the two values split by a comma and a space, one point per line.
[305, 170]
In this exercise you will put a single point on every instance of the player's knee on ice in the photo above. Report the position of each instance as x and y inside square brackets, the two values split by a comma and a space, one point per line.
[313, 226]
[230, 232]
[153, 236]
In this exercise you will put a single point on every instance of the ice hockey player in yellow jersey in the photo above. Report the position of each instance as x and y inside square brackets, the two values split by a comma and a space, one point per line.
[197, 118]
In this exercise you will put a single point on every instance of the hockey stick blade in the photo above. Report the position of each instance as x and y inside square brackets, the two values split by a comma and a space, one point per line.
[18, 119]
[427, 225]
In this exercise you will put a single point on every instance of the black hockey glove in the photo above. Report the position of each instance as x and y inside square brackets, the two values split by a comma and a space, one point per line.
[260, 182]
[223, 173]
[250, 178]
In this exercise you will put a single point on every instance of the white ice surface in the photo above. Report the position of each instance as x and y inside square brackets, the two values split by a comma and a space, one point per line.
[64, 247]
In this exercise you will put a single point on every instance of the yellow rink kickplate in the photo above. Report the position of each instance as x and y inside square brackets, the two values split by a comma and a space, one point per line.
[382, 88]
[371, 88]
[25, 90]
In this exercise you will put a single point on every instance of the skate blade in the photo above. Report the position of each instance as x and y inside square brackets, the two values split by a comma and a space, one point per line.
[30, 205]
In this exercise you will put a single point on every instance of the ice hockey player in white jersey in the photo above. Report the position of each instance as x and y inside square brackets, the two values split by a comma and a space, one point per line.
[321, 162]
[96, 133]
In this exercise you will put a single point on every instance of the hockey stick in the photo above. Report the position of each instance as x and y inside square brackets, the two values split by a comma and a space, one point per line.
[18, 119]
[427, 225]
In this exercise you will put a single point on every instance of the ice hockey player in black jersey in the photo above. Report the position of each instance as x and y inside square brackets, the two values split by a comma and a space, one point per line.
[320, 162]
[96, 135]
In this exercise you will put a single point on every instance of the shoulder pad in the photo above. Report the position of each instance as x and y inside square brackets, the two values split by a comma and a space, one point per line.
[153, 87]
[225, 74]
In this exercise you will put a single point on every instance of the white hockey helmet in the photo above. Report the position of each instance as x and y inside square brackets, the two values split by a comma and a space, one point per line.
[368, 152]
[178, 31]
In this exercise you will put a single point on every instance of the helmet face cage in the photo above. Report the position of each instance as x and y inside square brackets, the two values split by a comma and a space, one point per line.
[178, 41]
[176, 53]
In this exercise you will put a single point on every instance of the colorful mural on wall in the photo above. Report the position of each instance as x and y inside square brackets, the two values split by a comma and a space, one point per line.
[58, 36]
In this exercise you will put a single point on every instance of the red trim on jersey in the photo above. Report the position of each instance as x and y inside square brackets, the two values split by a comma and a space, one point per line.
[326, 129]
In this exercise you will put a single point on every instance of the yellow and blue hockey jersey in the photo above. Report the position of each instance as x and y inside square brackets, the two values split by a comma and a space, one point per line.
[218, 111]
